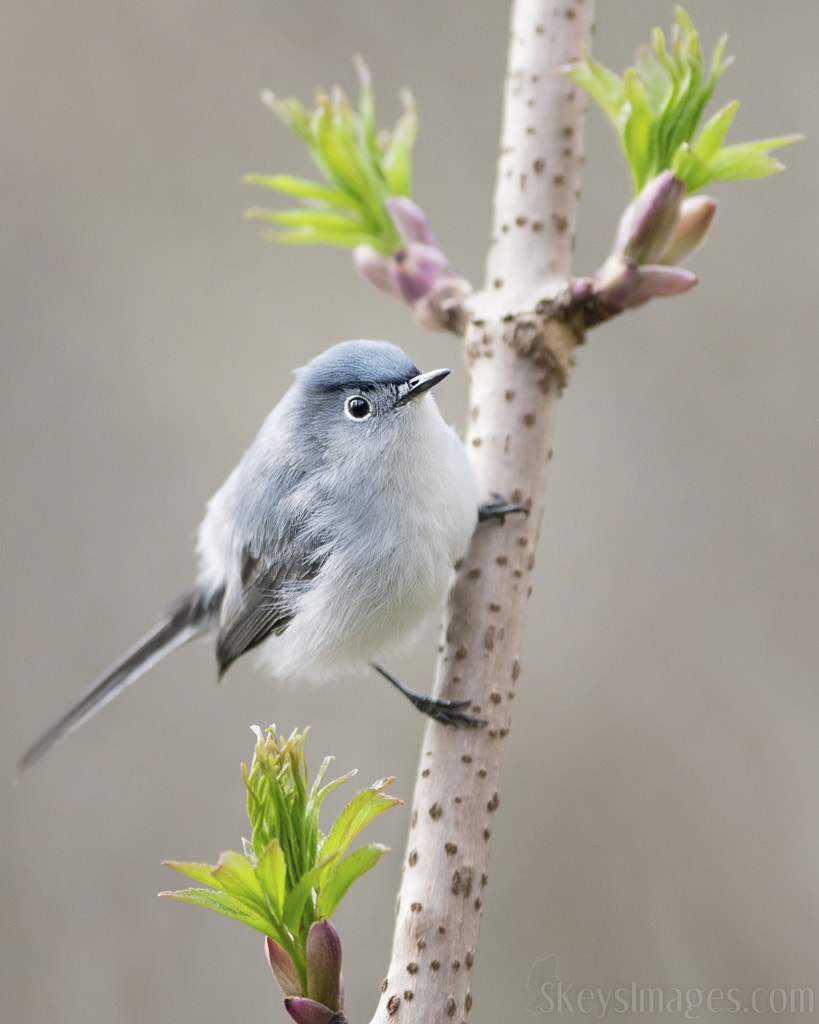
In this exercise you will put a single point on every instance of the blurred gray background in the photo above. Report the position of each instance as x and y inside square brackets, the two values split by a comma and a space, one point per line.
[659, 821]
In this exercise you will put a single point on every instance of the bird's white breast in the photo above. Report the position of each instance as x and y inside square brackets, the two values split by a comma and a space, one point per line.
[390, 571]
[398, 519]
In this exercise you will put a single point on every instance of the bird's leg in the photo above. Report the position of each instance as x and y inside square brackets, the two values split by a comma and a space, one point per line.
[498, 508]
[448, 711]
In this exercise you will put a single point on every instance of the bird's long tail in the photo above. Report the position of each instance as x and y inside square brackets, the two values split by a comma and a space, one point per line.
[191, 615]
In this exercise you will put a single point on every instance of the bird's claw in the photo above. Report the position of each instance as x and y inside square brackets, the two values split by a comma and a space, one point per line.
[499, 508]
[449, 712]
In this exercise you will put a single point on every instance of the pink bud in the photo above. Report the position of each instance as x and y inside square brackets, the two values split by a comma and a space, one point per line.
[410, 220]
[323, 958]
[416, 268]
[647, 223]
[377, 269]
[282, 967]
[655, 282]
[623, 285]
[308, 1011]
[691, 230]
[418, 273]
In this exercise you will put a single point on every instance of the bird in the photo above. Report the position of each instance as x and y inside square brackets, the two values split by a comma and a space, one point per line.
[332, 539]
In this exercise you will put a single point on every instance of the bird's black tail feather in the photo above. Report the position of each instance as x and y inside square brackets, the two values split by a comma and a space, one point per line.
[189, 616]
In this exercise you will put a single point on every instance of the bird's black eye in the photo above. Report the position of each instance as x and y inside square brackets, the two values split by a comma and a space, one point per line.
[357, 408]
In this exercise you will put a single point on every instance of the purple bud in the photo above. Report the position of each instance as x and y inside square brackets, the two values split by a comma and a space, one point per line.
[655, 282]
[621, 284]
[410, 220]
[418, 273]
[324, 964]
[377, 269]
[282, 967]
[648, 221]
[614, 272]
[691, 230]
[308, 1011]
[416, 268]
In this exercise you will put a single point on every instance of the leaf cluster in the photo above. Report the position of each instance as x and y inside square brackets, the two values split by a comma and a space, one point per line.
[290, 874]
[656, 107]
[360, 168]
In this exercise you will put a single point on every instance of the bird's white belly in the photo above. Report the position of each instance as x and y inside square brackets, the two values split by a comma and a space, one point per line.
[338, 631]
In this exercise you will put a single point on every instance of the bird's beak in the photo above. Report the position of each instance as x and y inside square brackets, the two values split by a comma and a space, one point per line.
[423, 382]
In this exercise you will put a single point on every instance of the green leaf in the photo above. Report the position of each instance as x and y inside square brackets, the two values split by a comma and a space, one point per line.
[660, 54]
[311, 230]
[361, 170]
[359, 812]
[297, 899]
[340, 878]
[234, 880]
[315, 219]
[306, 236]
[234, 874]
[339, 147]
[775, 142]
[637, 129]
[198, 872]
[271, 875]
[742, 161]
[652, 73]
[713, 131]
[689, 168]
[301, 188]
[366, 106]
[275, 887]
[719, 65]
[318, 793]
[227, 905]
[604, 86]
[293, 114]
[657, 105]
[397, 159]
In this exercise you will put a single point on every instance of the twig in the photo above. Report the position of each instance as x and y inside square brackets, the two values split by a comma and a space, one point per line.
[519, 358]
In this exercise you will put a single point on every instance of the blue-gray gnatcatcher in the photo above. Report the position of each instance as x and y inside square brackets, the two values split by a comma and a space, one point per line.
[331, 540]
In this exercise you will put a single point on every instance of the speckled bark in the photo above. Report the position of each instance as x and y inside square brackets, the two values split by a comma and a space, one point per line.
[518, 362]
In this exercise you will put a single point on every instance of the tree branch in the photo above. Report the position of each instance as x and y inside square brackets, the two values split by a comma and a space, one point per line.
[519, 358]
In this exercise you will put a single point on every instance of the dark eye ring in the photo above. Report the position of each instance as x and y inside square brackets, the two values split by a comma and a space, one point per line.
[357, 408]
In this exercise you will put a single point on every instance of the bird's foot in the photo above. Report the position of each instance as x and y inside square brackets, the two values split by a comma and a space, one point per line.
[449, 712]
[499, 508]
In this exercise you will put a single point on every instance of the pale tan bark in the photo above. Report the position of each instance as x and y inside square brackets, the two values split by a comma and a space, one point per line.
[518, 360]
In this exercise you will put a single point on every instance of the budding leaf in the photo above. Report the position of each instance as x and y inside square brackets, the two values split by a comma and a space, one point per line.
[361, 169]
[299, 907]
[291, 877]
[301, 188]
[358, 813]
[339, 880]
[271, 874]
[222, 904]
[748, 160]
[657, 105]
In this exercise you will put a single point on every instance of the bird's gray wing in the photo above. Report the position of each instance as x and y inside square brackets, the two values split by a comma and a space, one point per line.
[264, 605]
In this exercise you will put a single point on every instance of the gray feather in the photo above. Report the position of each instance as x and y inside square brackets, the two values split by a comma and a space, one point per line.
[263, 607]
